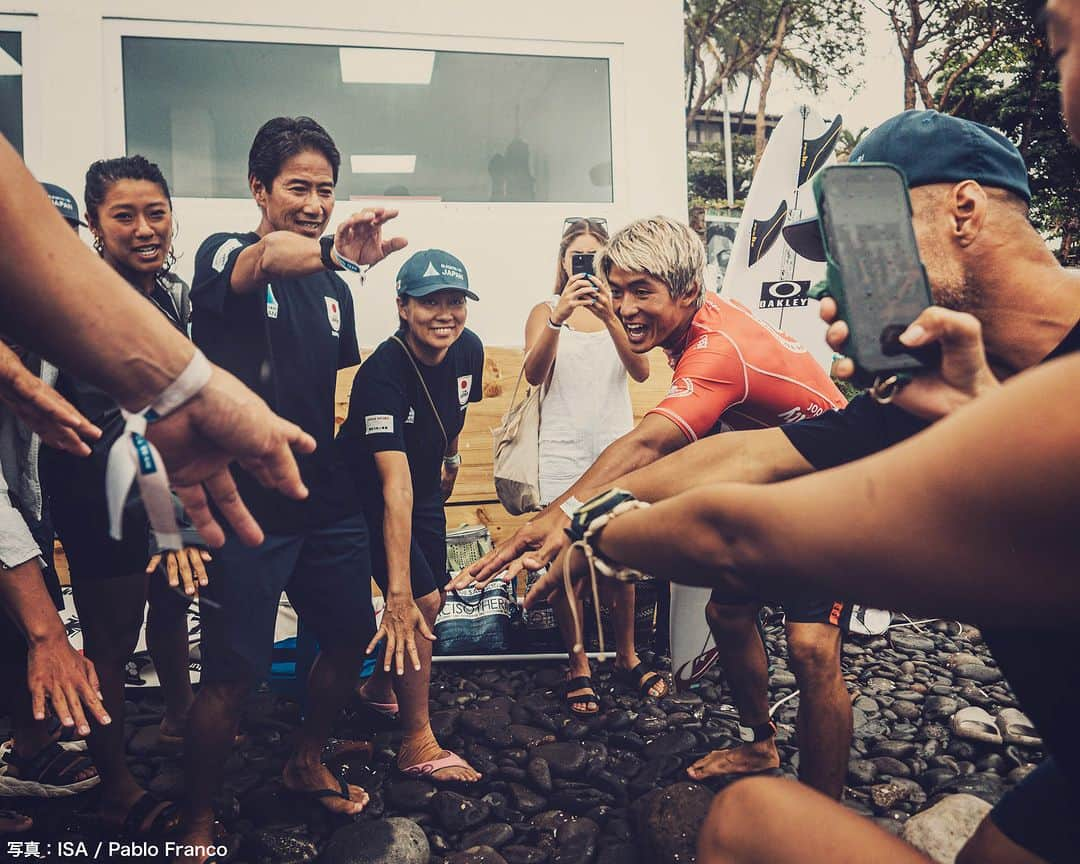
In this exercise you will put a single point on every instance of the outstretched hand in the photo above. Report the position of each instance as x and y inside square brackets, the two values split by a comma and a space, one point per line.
[41, 408]
[401, 621]
[187, 565]
[59, 674]
[223, 422]
[360, 239]
[530, 548]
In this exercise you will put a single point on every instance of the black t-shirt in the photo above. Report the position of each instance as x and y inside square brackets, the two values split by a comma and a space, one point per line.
[388, 410]
[84, 478]
[1041, 665]
[286, 342]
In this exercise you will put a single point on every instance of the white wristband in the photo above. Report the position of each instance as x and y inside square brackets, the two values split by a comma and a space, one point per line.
[187, 384]
[452, 461]
[132, 458]
[347, 263]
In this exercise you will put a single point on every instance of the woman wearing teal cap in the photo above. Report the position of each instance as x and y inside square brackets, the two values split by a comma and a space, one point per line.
[400, 440]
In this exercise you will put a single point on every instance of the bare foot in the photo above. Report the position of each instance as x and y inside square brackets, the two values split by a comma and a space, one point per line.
[311, 778]
[424, 748]
[744, 759]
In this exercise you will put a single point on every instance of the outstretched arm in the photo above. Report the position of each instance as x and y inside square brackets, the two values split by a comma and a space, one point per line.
[948, 522]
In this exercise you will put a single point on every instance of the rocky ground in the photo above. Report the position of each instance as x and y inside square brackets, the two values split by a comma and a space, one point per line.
[563, 791]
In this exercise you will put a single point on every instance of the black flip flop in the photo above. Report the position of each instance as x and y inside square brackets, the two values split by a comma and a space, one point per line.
[593, 703]
[322, 794]
[164, 822]
[642, 678]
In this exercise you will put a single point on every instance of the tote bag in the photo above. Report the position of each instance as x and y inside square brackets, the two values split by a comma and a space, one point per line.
[517, 451]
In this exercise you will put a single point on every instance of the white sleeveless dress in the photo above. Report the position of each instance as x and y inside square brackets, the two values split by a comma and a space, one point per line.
[586, 407]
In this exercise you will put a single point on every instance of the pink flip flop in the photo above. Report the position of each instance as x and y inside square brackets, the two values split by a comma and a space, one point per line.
[428, 769]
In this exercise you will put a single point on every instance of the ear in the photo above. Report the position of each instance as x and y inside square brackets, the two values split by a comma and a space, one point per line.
[691, 298]
[401, 303]
[968, 205]
[258, 191]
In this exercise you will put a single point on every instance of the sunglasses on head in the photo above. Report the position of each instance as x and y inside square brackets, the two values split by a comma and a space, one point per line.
[595, 223]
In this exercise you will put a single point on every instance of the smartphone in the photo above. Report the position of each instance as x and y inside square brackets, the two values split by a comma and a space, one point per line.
[873, 267]
[581, 262]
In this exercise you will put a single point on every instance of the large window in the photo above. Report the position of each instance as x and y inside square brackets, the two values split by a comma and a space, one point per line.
[445, 125]
[11, 88]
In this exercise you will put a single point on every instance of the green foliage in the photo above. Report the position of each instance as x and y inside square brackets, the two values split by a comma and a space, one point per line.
[705, 171]
[1015, 89]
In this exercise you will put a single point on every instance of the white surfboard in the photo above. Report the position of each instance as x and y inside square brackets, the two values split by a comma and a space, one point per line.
[766, 275]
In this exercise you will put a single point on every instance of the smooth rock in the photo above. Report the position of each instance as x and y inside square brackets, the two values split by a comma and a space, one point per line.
[456, 812]
[671, 744]
[978, 672]
[381, 841]
[941, 831]
[902, 641]
[477, 855]
[411, 795]
[668, 822]
[564, 758]
[495, 835]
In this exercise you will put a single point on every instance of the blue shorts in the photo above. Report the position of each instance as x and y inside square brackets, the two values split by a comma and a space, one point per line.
[427, 554]
[1040, 814]
[325, 572]
[806, 609]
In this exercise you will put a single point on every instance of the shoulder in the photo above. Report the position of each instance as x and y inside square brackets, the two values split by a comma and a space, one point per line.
[470, 342]
[215, 250]
[385, 356]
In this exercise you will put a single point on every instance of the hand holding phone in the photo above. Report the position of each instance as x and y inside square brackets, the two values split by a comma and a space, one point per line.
[873, 269]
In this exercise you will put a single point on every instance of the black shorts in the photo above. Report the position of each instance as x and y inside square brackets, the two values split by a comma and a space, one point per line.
[82, 524]
[326, 573]
[1040, 814]
[805, 610]
[427, 554]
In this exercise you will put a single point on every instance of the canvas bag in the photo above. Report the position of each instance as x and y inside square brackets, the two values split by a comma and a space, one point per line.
[517, 451]
[473, 621]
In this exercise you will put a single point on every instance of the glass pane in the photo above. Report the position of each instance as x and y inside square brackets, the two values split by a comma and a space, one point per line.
[446, 125]
[11, 94]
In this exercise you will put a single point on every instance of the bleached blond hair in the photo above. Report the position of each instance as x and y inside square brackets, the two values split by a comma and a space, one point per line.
[665, 249]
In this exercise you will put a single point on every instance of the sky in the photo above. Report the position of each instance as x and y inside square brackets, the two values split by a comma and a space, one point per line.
[881, 94]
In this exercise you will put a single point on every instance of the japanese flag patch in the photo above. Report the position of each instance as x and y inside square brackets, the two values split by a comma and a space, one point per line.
[464, 388]
[333, 314]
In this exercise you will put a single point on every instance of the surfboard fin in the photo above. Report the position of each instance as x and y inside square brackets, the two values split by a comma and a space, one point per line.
[815, 152]
[763, 233]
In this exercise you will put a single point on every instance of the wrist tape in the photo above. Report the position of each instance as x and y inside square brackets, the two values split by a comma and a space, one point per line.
[132, 458]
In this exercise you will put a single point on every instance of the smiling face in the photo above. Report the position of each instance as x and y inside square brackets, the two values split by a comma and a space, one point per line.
[134, 225]
[1063, 32]
[301, 197]
[647, 311]
[433, 323]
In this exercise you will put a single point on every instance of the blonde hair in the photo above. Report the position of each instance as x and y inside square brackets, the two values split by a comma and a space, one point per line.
[663, 248]
[583, 227]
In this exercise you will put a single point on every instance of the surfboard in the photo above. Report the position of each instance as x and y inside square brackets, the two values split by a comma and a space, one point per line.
[766, 275]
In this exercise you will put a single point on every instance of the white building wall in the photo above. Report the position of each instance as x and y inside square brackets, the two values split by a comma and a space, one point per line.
[71, 81]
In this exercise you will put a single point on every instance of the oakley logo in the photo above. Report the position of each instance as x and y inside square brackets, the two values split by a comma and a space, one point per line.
[776, 295]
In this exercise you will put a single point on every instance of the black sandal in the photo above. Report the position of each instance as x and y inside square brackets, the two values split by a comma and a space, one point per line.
[165, 821]
[642, 678]
[591, 701]
[49, 773]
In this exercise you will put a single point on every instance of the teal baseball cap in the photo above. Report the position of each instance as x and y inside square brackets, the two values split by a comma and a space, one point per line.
[929, 147]
[433, 270]
[65, 203]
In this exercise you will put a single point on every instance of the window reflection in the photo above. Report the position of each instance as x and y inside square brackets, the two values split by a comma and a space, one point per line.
[451, 126]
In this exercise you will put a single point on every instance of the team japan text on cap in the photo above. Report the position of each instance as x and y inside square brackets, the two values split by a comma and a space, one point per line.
[64, 202]
[433, 270]
[929, 148]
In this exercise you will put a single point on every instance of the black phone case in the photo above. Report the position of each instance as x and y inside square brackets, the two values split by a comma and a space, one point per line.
[873, 269]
